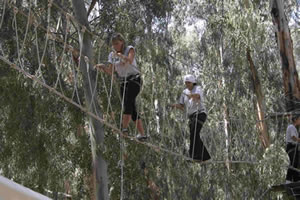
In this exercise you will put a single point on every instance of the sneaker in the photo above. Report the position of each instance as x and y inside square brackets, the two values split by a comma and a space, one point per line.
[195, 160]
[141, 137]
[198, 161]
[125, 131]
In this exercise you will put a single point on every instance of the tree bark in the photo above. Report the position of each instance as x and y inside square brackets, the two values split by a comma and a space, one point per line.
[89, 83]
[285, 45]
[259, 104]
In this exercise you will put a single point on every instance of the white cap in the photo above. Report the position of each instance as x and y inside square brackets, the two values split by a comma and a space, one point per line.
[189, 78]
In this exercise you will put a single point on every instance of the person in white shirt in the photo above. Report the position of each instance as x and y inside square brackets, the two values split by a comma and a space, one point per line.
[292, 140]
[122, 60]
[192, 101]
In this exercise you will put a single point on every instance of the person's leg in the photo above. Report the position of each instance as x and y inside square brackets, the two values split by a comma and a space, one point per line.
[126, 117]
[138, 121]
[290, 172]
[139, 126]
[291, 153]
[296, 175]
[198, 150]
[134, 91]
[194, 133]
[192, 126]
[125, 120]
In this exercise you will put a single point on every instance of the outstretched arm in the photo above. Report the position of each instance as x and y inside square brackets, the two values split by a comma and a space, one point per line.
[107, 68]
[296, 139]
[178, 106]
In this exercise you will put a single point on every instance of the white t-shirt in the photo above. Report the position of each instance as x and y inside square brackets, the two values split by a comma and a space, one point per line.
[123, 69]
[290, 132]
[192, 105]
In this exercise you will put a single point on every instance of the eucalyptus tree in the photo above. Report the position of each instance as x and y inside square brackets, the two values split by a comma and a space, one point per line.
[285, 45]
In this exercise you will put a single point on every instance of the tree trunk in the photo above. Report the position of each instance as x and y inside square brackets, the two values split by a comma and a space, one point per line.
[259, 104]
[89, 83]
[285, 44]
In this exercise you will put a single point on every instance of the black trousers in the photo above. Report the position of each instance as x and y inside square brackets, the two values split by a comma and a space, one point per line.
[197, 150]
[293, 153]
[129, 91]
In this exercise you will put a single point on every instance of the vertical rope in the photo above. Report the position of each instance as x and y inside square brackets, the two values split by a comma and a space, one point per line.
[194, 140]
[17, 35]
[26, 32]
[110, 90]
[46, 42]
[37, 43]
[60, 66]
[122, 141]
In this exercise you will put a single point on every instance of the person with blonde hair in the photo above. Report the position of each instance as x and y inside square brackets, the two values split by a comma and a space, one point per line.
[122, 60]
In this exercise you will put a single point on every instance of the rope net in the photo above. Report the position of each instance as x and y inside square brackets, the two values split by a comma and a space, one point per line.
[49, 51]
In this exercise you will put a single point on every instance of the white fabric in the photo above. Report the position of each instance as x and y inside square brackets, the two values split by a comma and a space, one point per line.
[189, 78]
[290, 132]
[191, 105]
[123, 69]
[14, 191]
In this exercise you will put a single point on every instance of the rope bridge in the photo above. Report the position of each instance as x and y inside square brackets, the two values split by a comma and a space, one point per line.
[38, 78]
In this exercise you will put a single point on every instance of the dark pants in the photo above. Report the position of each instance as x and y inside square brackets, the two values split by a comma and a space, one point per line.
[293, 153]
[197, 149]
[130, 89]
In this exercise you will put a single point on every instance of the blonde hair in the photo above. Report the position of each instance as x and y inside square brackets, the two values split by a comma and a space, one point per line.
[119, 37]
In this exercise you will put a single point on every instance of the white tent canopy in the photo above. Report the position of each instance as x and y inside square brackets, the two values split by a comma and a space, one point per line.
[10, 190]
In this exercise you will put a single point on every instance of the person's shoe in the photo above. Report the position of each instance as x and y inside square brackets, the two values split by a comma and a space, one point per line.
[200, 161]
[288, 182]
[141, 137]
[194, 161]
[197, 161]
[125, 132]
